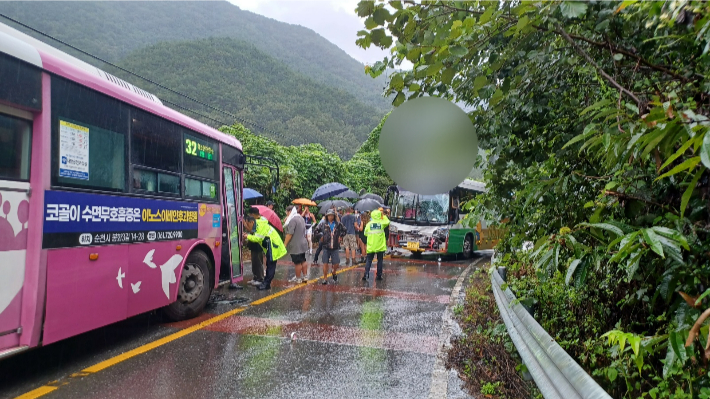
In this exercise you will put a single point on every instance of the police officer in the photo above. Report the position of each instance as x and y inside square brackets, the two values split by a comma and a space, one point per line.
[270, 241]
[376, 242]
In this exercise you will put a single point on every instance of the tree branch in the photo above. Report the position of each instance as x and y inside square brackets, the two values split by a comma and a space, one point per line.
[599, 69]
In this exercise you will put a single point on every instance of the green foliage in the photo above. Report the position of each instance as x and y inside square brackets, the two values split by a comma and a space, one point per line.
[306, 167]
[112, 30]
[237, 77]
[593, 115]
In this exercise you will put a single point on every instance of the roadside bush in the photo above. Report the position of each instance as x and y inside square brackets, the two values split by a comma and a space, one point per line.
[595, 119]
[484, 355]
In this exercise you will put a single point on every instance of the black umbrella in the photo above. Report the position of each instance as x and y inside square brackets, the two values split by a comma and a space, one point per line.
[348, 194]
[325, 205]
[367, 205]
[328, 190]
[374, 197]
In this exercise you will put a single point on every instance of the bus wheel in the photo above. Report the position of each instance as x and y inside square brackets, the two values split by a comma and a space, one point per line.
[468, 247]
[194, 290]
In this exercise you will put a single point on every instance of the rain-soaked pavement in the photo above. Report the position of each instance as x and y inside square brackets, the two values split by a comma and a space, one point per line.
[351, 339]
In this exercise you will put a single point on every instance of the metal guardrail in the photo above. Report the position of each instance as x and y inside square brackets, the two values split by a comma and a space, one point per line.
[556, 374]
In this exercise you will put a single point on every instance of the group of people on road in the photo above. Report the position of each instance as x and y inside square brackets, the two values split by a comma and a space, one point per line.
[366, 233]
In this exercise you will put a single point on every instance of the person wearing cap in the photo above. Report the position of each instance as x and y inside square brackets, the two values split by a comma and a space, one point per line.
[331, 233]
[270, 241]
[376, 244]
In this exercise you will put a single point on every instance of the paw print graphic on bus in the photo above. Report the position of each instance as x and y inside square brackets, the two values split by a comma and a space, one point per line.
[10, 223]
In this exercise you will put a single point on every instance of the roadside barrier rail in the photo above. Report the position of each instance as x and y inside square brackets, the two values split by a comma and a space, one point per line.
[556, 374]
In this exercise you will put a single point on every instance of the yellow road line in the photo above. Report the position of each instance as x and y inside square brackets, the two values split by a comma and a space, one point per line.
[41, 391]
[45, 389]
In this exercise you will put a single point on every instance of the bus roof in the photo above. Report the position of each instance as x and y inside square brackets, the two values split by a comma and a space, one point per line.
[473, 185]
[44, 56]
[470, 185]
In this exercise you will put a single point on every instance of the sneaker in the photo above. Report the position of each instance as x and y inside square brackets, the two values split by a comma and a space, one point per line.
[255, 282]
[294, 280]
[304, 280]
[379, 278]
[334, 276]
[324, 281]
[364, 277]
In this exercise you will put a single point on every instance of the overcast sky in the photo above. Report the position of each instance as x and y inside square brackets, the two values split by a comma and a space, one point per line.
[335, 20]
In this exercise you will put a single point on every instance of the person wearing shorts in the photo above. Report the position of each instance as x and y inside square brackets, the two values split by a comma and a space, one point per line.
[296, 244]
[350, 240]
[331, 233]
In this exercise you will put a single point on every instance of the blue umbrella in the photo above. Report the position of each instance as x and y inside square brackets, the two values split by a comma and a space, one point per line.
[328, 190]
[251, 194]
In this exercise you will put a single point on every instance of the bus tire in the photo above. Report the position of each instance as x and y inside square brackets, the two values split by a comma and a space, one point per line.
[468, 246]
[194, 290]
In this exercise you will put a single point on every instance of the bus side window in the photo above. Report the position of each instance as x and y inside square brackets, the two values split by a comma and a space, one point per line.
[88, 138]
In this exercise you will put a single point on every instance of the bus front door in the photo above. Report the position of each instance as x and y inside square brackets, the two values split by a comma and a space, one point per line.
[231, 252]
[15, 143]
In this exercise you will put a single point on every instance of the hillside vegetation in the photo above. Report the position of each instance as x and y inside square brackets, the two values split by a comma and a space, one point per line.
[237, 77]
[112, 30]
[599, 116]
[304, 168]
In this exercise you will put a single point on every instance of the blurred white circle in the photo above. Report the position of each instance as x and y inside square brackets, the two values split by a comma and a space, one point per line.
[428, 145]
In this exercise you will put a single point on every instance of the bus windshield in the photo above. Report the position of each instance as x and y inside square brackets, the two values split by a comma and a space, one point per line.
[433, 208]
[404, 205]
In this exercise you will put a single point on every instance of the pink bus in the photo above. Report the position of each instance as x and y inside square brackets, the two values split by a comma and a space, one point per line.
[111, 204]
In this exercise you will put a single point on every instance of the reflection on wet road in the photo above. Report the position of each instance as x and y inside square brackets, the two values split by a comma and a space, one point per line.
[350, 339]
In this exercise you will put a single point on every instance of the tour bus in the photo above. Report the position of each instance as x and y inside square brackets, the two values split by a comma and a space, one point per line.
[111, 204]
[431, 223]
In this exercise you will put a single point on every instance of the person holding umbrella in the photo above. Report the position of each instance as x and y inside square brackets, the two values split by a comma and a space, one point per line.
[270, 241]
[331, 233]
[376, 244]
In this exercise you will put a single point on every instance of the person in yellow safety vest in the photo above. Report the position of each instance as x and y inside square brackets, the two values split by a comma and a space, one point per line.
[376, 242]
[270, 241]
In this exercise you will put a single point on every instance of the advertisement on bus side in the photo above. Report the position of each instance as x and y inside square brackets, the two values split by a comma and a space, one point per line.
[73, 219]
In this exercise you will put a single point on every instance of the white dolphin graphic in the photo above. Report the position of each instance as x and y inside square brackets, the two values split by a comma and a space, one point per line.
[167, 269]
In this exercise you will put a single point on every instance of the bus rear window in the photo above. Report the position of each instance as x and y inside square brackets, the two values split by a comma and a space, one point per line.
[15, 145]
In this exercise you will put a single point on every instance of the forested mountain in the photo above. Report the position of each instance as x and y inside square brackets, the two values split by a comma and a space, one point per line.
[284, 77]
[233, 75]
[113, 29]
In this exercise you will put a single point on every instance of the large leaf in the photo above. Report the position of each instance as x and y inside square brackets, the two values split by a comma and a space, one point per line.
[673, 234]
[678, 153]
[670, 360]
[652, 240]
[689, 191]
[458, 51]
[676, 340]
[573, 9]
[705, 151]
[571, 270]
[689, 163]
[633, 264]
[604, 226]
[597, 105]
[479, 82]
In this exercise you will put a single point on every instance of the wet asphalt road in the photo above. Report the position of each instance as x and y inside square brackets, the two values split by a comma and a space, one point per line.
[353, 339]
